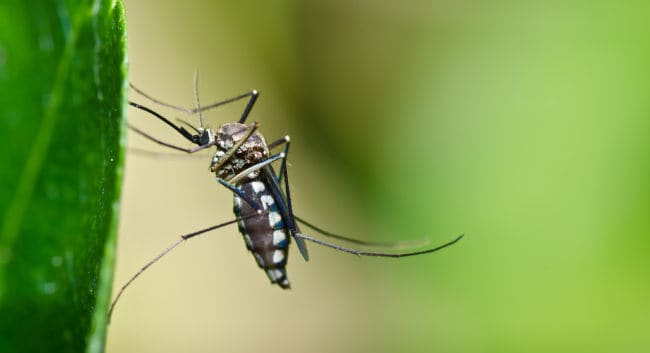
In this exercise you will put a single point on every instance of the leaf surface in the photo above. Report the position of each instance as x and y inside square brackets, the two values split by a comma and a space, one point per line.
[62, 106]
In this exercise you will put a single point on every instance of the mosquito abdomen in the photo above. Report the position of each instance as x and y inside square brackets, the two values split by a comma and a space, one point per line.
[266, 235]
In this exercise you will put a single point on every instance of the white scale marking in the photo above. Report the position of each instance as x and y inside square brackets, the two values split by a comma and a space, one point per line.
[278, 237]
[237, 202]
[274, 274]
[267, 200]
[217, 156]
[278, 256]
[274, 217]
[258, 186]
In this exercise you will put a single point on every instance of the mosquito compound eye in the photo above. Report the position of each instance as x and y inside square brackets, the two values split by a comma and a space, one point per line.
[207, 136]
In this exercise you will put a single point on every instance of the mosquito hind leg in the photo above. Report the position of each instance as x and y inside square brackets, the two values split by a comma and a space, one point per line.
[377, 254]
[182, 239]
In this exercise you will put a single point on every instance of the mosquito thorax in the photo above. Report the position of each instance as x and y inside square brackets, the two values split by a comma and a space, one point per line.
[253, 151]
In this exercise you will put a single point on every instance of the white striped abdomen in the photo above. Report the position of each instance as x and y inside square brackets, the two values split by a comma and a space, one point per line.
[265, 235]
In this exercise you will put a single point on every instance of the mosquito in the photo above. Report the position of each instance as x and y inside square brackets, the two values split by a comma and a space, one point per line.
[243, 163]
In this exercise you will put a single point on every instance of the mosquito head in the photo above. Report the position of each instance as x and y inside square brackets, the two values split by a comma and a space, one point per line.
[205, 136]
[227, 163]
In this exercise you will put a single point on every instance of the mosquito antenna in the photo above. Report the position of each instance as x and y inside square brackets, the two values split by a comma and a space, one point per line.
[180, 109]
[391, 245]
[153, 154]
[196, 97]
[169, 249]
[372, 253]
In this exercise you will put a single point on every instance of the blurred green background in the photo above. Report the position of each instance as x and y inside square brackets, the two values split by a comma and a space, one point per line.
[523, 125]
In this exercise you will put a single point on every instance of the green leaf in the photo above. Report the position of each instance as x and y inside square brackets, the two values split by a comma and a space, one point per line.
[62, 109]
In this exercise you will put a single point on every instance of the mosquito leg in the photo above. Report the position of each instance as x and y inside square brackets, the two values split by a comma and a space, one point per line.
[166, 251]
[256, 167]
[279, 142]
[231, 183]
[252, 97]
[372, 253]
[249, 106]
[388, 245]
[140, 92]
[288, 211]
[153, 154]
[240, 193]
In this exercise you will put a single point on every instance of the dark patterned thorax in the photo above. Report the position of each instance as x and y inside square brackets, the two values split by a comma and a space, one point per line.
[253, 151]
